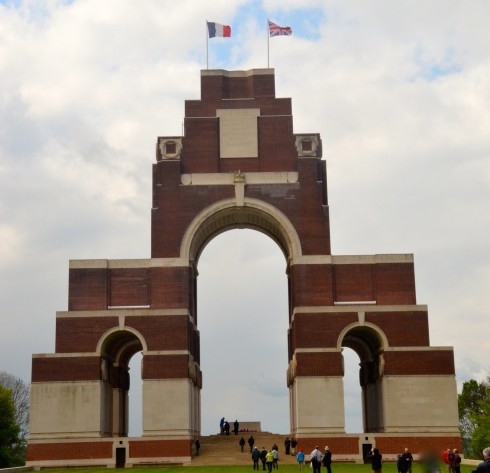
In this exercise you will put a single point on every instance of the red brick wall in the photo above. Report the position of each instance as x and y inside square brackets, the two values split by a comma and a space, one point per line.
[165, 366]
[160, 448]
[69, 451]
[170, 288]
[417, 444]
[395, 283]
[354, 282]
[129, 286]
[314, 330]
[431, 362]
[65, 369]
[169, 332]
[87, 289]
[319, 364]
[311, 285]
[403, 328]
[81, 334]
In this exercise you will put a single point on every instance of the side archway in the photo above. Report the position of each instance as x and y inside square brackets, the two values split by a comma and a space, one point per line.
[369, 343]
[116, 348]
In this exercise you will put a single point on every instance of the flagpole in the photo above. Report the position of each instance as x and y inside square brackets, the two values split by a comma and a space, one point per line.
[268, 39]
[207, 63]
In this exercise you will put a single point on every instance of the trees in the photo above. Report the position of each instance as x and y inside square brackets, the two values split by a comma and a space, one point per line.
[13, 440]
[474, 415]
[9, 431]
[20, 395]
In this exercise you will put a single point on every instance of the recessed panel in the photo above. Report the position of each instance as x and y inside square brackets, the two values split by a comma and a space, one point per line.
[238, 133]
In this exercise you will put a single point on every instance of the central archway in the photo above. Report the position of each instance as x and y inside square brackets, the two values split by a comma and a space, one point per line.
[243, 334]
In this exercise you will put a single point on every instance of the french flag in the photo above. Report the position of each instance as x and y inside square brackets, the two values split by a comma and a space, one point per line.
[215, 29]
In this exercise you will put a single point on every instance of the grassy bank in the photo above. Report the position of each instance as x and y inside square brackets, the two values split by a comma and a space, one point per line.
[336, 468]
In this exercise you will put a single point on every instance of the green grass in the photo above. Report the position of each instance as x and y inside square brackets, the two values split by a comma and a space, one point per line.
[336, 468]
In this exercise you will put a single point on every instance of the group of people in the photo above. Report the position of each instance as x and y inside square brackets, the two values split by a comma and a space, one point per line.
[224, 427]
[267, 458]
[452, 459]
[290, 445]
[317, 459]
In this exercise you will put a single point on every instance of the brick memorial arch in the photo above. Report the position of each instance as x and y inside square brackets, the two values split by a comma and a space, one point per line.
[238, 165]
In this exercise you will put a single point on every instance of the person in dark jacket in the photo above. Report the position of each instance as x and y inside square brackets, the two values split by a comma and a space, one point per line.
[327, 459]
[241, 442]
[485, 466]
[263, 456]
[256, 458]
[251, 442]
[376, 460]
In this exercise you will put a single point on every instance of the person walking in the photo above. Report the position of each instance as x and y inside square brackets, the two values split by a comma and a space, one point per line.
[269, 459]
[241, 442]
[256, 458]
[275, 454]
[376, 460]
[263, 455]
[327, 459]
[251, 442]
[300, 458]
[316, 460]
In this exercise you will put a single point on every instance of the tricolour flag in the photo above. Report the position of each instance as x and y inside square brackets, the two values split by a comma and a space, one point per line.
[215, 29]
[276, 30]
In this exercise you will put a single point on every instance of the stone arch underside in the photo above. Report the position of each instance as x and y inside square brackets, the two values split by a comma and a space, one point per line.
[226, 215]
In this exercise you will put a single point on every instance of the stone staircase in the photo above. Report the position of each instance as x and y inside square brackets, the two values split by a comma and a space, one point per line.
[225, 450]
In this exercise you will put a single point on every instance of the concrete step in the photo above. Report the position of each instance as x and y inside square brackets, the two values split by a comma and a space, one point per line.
[225, 449]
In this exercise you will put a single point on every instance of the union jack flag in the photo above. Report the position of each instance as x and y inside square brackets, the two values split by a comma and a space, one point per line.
[276, 30]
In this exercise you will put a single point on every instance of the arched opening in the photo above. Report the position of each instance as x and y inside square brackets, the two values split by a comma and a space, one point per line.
[116, 351]
[368, 344]
[352, 392]
[243, 322]
[135, 396]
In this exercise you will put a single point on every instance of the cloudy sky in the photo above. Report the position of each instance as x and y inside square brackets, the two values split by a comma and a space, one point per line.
[400, 92]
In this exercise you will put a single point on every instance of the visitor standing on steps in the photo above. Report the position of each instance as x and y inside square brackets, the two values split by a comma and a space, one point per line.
[293, 446]
[241, 442]
[236, 426]
[251, 442]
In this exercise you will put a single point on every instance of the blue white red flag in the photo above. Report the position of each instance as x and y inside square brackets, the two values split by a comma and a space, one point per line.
[276, 30]
[215, 29]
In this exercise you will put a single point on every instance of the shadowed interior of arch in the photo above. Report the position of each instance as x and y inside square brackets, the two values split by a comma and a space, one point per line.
[117, 350]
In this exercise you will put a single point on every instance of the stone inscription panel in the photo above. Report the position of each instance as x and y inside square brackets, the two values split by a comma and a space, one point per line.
[238, 133]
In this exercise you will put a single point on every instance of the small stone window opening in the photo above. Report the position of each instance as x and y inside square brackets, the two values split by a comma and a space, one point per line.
[307, 145]
[170, 147]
